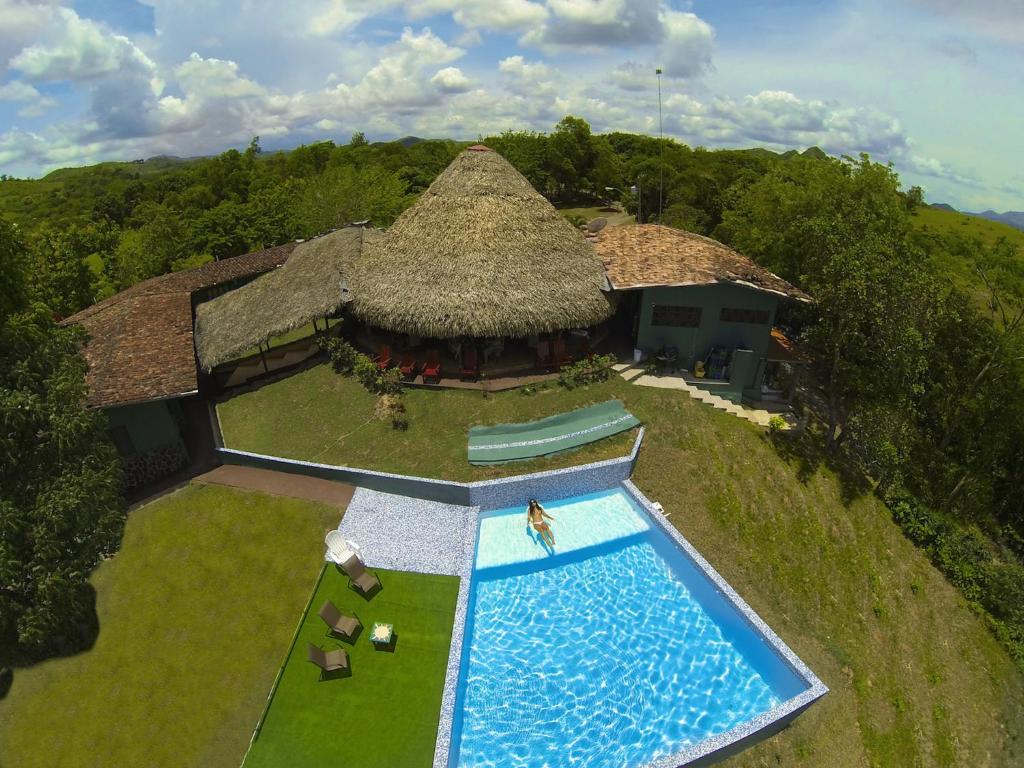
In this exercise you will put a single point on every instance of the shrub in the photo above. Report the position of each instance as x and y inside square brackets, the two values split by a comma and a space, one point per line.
[389, 382]
[992, 581]
[589, 370]
[366, 373]
[343, 356]
[776, 423]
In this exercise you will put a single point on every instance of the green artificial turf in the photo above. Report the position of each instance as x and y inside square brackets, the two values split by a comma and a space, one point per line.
[195, 612]
[386, 712]
[916, 678]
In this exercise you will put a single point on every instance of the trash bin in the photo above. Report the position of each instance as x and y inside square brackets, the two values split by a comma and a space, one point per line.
[638, 355]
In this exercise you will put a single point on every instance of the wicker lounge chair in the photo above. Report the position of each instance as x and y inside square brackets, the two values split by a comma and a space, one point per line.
[328, 661]
[337, 622]
[361, 578]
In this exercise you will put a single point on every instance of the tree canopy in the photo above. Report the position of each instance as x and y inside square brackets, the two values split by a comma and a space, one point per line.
[60, 504]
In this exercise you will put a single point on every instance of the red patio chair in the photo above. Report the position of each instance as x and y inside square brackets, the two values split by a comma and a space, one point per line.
[470, 363]
[543, 354]
[408, 366]
[560, 356]
[432, 367]
[383, 358]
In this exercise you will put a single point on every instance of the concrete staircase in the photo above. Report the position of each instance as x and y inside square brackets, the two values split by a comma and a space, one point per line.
[636, 375]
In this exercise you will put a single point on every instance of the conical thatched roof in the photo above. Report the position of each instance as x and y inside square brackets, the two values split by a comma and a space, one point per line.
[481, 253]
[309, 285]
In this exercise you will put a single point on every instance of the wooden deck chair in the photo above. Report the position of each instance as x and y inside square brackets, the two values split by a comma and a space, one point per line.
[383, 358]
[432, 366]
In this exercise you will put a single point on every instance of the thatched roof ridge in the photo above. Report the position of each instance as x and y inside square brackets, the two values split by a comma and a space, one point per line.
[308, 286]
[649, 255]
[481, 253]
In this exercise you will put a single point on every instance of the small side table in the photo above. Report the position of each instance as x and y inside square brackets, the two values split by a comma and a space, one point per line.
[381, 634]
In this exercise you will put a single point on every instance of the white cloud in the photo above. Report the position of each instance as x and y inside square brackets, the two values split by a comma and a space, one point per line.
[503, 15]
[782, 120]
[450, 80]
[631, 76]
[16, 90]
[686, 51]
[399, 80]
[596, 24]
[34, 103]
[525, 78]
[78, 49]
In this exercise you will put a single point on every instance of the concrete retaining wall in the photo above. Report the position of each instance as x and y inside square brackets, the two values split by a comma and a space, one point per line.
[488, 494]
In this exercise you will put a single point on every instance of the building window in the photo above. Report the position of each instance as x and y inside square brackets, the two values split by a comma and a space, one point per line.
[122, 440]
[676, 317]
[753, 316]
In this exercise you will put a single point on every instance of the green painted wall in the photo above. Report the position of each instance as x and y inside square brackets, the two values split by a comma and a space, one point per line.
[694, 343]
[150, 425]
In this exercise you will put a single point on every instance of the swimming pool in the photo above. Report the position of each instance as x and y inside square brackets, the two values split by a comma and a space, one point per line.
[614, 650]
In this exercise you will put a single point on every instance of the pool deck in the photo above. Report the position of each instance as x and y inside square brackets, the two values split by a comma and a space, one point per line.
[407, 534]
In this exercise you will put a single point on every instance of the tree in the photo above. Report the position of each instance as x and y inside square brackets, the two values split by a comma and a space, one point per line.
[60, 277]
[343, 194]
[60, 505]
[571, 155]
[840, 229]
[13, 293]
[358, 139]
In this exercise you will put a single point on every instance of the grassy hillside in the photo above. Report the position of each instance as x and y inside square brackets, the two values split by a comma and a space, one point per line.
[962, 269]
[916, 678]
[929, 219]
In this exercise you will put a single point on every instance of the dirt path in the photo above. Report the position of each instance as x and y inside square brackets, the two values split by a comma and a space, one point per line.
[280, 484]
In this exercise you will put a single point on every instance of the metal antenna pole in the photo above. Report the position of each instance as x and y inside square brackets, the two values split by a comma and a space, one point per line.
[661, 151]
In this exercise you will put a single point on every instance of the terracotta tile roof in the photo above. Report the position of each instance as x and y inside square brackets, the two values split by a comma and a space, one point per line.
[647, 255]
[781, 347]
[140, 340]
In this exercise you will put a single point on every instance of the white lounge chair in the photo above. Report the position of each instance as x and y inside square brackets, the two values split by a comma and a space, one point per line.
[339, 549]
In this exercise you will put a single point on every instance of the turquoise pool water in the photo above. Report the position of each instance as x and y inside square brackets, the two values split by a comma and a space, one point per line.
[610, 652]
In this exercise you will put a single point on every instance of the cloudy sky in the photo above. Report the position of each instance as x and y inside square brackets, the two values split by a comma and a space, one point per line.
[932, 85]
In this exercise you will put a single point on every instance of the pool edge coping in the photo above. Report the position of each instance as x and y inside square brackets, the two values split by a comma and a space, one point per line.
[778, 714]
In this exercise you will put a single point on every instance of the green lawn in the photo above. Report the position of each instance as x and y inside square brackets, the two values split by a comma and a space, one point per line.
[318, 415]
[916, 678]
[596, 211]
[386, 712]
[195, 614]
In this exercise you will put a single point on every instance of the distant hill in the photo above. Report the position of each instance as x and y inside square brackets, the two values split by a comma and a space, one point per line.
[1013, 218]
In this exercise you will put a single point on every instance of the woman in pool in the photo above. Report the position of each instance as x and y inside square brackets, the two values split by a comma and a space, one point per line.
[535, 515]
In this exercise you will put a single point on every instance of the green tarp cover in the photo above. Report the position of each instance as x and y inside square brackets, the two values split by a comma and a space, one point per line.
[508, 442]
